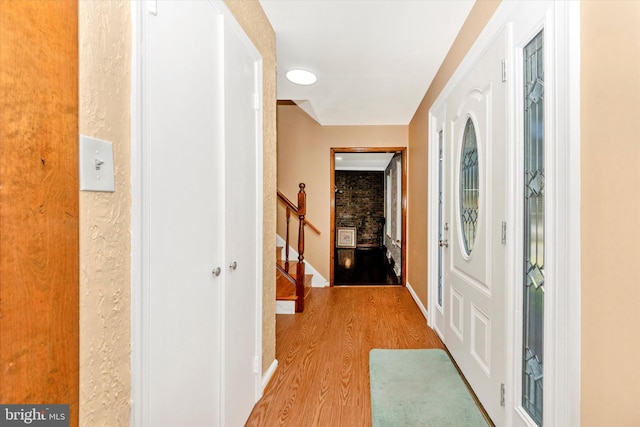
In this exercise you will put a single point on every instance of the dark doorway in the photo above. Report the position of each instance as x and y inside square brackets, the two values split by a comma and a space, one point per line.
[359, 209]
[367, 210]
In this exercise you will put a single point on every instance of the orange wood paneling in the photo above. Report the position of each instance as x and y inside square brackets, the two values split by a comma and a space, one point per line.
[39, 308]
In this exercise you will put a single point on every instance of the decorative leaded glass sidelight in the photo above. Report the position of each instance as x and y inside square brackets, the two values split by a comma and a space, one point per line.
[469, 186]
[534, 284]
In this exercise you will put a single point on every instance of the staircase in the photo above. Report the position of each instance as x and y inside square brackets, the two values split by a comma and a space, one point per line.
[286, 283]
[292, 284]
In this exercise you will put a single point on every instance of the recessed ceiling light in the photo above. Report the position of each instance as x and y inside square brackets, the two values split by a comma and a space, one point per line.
[338, 158]
[301, 77]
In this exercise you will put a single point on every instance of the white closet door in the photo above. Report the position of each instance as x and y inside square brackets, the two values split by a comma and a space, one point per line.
[202, 210]
[184, 195]
[243, 234]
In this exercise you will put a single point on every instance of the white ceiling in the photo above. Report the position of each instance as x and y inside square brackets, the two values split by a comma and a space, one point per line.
[362, 161]
[374, 59]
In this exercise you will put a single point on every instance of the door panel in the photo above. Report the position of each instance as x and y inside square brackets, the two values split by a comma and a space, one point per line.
[242, 239]
[185, 218]
[474, 206]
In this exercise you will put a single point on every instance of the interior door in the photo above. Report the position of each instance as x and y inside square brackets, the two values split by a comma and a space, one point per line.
[474, 256]
[243, 236]
[184, 188]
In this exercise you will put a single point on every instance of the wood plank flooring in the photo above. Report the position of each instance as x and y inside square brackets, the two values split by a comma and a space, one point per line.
[323, 355]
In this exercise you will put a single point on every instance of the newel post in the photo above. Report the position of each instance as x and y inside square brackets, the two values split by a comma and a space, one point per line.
[300, 270]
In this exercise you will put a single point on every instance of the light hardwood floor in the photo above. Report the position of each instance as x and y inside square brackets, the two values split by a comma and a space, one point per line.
[323, 355]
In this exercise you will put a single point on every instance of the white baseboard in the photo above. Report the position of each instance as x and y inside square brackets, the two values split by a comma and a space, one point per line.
[424, 311]
[267, 375]
[285, 307]
[317, 281]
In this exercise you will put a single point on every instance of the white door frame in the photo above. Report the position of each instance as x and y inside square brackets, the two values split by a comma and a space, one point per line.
[562, 300]
[139, 215]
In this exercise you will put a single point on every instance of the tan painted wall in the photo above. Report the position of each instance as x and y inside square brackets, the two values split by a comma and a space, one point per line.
[105, 250]
[418, 147]
[304, 156]
[251, 17]
[610, 168]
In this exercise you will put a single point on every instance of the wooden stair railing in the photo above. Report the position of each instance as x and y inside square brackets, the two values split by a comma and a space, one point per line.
[300, 211]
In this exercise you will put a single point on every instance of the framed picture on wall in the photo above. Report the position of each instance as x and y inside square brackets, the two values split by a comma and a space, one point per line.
[346, 237]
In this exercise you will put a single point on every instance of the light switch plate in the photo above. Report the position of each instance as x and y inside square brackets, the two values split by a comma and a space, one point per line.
[96, 165]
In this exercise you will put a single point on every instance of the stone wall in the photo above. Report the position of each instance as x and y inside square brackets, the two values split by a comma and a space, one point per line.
[360, 204]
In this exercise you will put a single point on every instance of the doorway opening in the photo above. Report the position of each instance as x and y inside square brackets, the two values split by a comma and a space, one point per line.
[368, 216]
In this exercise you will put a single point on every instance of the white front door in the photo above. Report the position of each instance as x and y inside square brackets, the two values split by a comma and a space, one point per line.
[474, 209]
[539, 319]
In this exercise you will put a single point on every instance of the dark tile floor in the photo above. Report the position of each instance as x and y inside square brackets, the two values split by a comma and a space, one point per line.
[362, 267]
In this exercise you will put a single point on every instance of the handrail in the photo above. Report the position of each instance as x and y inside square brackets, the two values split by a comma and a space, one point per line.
[311, 226]
[289, 204]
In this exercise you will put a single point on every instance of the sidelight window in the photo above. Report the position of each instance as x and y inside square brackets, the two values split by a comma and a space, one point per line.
[534, 219]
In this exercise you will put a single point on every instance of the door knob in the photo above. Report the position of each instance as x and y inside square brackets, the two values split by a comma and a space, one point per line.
[216, 271]
[233, 265]
[443, 243]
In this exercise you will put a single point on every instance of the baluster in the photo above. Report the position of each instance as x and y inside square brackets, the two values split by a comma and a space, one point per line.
[286, 248]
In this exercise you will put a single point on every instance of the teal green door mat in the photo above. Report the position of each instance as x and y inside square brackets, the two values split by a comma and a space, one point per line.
[419, 388]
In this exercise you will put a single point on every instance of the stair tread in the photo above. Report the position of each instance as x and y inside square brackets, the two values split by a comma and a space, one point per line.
[286, 291]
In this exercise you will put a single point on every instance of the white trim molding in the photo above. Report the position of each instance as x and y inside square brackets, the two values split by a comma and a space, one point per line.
[137, 220]
[269, 374]
[421, 306]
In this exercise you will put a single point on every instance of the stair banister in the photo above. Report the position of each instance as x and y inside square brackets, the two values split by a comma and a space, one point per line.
[300, 211]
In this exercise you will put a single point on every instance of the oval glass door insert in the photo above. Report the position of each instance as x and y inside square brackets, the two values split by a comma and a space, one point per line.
[469, 186]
